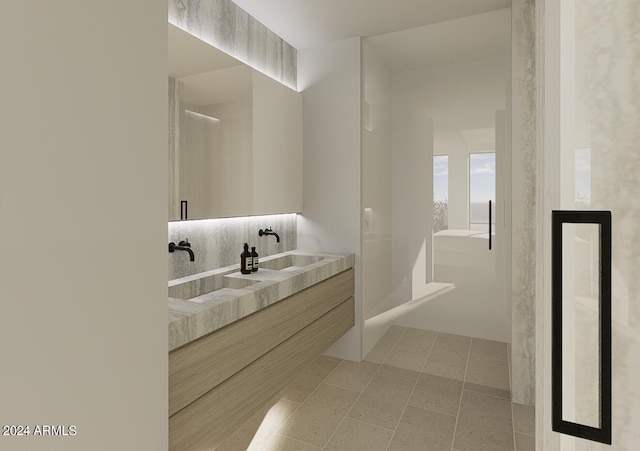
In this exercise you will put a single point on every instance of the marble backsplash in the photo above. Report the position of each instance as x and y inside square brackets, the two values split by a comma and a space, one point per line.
[219, 242]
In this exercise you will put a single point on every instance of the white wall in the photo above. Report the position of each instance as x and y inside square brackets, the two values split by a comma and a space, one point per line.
[83, 210]
[329, 77]
[412, 196]
[376, 194]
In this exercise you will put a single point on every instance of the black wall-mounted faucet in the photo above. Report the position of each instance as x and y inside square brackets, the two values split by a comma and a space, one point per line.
[182, 246]
[269, 232]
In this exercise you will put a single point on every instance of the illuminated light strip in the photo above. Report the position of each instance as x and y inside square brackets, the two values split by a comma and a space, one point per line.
[204, 116]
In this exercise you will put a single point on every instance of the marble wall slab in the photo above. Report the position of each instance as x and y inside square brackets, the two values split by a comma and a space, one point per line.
[524, 170]
[219, 242]
[227, 27]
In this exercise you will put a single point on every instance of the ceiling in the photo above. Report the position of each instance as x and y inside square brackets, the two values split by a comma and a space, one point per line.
[307, 23]
[481, 36]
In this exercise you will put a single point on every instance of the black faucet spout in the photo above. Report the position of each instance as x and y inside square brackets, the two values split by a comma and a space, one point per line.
[183, 246]
[269, 232]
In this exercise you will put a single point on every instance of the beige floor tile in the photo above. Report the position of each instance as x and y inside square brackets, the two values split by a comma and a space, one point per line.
[352, 375]
[437, 393]
[257, 429]
[308, 379]
[488, 349]
[484, 424]
[489, 372]
[384, 346]
[499, 392]
[278, 442]
[525, 442]
[453, 337]
[385, 397]
[451, 350]
[355, 435]
[419, 337]
[447, 358]
[444, 370]
[423, 429]
[408, 356]
[320, 415]
[524, 420]
[395, 332]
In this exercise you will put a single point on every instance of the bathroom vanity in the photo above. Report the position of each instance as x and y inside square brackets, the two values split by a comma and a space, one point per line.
[236, 340]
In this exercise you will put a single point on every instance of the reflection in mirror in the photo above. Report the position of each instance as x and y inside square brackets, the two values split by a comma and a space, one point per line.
[234, 133]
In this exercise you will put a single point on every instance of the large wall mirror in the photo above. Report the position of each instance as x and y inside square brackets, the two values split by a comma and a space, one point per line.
[235, 136]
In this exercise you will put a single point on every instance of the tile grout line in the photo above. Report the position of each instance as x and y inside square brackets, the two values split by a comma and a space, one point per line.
[431, 409]
[298, 408]
[302, 441]
[266, 439]
[483, 393]
[455, 428]
[412, 390]
[374, 375]
[346, 415]
[261, 445]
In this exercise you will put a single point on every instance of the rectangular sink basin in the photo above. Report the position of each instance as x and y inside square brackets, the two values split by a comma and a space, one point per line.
[208, 284]
[290, 261]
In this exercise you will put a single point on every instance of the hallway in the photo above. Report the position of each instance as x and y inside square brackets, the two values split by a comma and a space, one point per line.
[416, 390]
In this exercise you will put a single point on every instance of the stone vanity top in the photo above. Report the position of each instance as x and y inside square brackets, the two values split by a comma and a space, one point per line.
[202, 303]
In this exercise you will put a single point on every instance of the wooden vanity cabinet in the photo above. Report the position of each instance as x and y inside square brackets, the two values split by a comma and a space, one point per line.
[218, 381]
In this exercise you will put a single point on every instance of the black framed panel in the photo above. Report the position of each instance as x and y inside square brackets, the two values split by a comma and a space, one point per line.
[600, 434]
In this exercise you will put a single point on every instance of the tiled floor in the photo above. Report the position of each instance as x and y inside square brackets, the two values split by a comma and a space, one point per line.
[416, 390]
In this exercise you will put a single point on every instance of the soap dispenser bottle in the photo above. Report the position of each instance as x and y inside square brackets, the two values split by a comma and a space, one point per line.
[246, 260]
[254, 256]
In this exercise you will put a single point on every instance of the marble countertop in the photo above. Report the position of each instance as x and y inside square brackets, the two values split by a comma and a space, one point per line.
[193, 315]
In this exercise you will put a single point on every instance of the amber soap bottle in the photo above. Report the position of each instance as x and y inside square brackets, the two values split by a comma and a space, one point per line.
[254, 256]
[246, 260]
